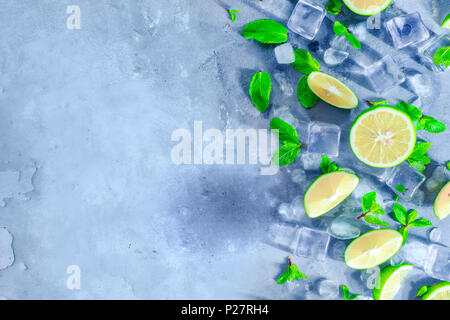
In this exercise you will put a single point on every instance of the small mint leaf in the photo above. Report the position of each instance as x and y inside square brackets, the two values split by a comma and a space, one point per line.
[442, 56]
[307, 98]
[334, 7]
[260, 89]
[265, 31]
[400, 213]
[368, 200]
[404, 232]
[304, 62]
[286, 133]
[286, 154]
[345, 292]
[422, 222]
[400, 188]
[339, 29]
[375, 220]
[411, 216]
[412, 111]
[422, 290]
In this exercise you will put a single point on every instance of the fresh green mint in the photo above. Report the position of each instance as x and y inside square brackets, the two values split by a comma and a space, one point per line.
[370, 205]
[408, 219]
[290, 149]
[422, 290]
[327, 166]
[304, 62]
[442, 57]
[334, 7]
[419, 158]
[346, 293]
[424, 122]
[265, 31]
[232, 13]
[341, 30]
[291, 273]
[259, 90]
[400, 188]
[447, 165]
[307, 98]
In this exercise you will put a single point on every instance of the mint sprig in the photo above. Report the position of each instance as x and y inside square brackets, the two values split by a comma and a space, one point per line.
[304, 62]
[290, 149]
[327, 166]
[334, 7]
[419, 158]
[265, 31]
[340, 30]
[424, 122]
[369, 205]
[307, 98]
[346, 293]
[260, 89]
[232, 13]
[292, 273]
[442, 57]
[408, 219]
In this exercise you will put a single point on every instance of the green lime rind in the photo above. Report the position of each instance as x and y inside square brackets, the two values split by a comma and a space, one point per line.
[446, 22]
[432, 289]
[370, 110]
[347, 87]
[383, 278]
[314, 182]
[363, 235]
[435, 201]
[367, 14]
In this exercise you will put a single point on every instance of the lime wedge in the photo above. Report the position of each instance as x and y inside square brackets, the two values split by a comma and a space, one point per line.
[367, 7]
[373, 248]
[442, 202]
[328, 191]
[389, 281]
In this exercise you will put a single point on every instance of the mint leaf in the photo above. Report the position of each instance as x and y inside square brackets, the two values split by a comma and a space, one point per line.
[259, 90]
[304, 62]
[422, 290]
[376, 209]
[400, 213]
[411, 216]
[442, 57]
[413, 112]
[327, 166]
[286, 133]
[420, 149]
[334, 7]
[291, 273]
[286, 154]
[353, 297]
[307, 98]
[419, 159]
[353, 40]
[447, 165]
[368, 200]
[265, 31]
[345, 292]
[404, 232]
[419, 166]
[400, 188]
[396, 197]
[232, 13]
[339, 29]
[422, 222]
[375, 220]
[432, 125]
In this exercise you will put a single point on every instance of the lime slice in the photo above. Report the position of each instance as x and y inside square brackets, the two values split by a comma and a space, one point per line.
[327, 191]
[367, 7]
[442, 202]
[373, 248]
[438, 291]
[331, 90]
[389, 281]
[382, 137]
[446, 22]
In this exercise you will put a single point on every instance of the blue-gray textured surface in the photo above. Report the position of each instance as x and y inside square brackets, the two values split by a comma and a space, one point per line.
[93, 110]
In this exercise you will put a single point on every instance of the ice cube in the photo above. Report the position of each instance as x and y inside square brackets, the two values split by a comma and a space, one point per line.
[298, 210]
[284, 53]
[429, 48]
[406, 176]
[418, 198]
[439, 176]
[434, 235]
[324, 138]
[415, 251]
[438, 263]
[407, 30]
[298, 176]
[420, 85]
[344, 227]
[283, 236]
[285, 211]
[306, 19]
[385, 74]
[284, 83]
[328, 289]
[6, 251]
[379, 173]
[337, 250]
[340, 43]
[311, 161]
[313, 244]
[333, 57]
